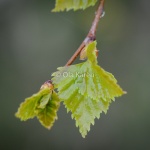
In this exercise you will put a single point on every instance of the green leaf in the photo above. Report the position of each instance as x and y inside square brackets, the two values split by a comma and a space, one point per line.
[43, 105]
[28, 107]
[44, 101]
[86, 89]
[61, 5]
[85, 110]
[48, 114]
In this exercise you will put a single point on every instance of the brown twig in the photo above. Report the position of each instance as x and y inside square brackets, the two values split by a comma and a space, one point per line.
[91, 35]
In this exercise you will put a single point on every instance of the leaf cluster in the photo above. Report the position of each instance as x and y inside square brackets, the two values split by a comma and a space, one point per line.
[43, 105]
[85, 89]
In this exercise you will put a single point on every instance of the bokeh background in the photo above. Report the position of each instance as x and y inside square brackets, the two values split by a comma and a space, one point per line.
[34, 42]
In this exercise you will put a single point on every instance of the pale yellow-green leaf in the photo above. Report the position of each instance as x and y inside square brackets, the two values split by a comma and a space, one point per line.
[48, 114]
[86, 89]
[61, 5]
[84, 110]
[27, 108]
[44, 101]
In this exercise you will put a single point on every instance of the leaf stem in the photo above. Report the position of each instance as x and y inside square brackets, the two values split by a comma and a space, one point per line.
[91, 36]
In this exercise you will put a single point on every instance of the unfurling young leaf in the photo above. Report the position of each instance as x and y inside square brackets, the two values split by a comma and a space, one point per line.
[62, 5]
[43, 105]
[86, 89]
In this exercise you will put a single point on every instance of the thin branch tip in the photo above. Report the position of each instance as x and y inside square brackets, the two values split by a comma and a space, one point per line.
[91, 36]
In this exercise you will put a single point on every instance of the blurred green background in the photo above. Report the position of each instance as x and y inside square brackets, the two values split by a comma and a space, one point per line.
[34, 42]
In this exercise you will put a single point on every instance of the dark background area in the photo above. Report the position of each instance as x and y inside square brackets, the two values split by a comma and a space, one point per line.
[34, 42]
